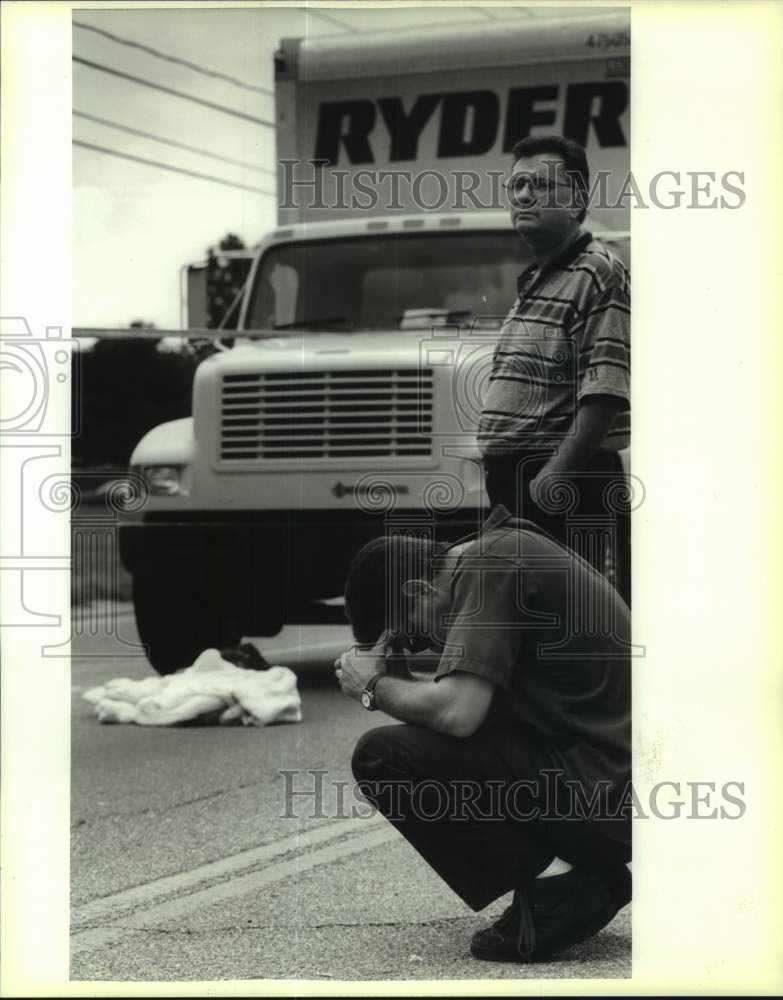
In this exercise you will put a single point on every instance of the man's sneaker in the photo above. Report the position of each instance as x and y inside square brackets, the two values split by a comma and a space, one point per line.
[546, 917]
[511, 938]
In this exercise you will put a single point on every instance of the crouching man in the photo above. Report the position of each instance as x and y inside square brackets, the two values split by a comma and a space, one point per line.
[512, 768]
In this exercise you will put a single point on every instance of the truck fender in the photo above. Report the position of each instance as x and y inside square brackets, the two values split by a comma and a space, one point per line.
[171, 443]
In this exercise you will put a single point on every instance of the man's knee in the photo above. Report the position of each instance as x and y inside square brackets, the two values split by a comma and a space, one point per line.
[404, 753]
[372, 752]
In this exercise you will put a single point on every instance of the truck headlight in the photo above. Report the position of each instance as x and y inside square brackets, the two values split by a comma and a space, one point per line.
[163, 480]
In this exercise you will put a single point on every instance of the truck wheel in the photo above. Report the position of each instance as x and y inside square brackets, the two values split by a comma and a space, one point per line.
[179, 618]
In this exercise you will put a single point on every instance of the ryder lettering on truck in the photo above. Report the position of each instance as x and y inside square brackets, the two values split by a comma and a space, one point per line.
[470, 120]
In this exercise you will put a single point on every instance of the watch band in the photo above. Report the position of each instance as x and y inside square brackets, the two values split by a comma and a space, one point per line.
[368, 694]
[370, 685]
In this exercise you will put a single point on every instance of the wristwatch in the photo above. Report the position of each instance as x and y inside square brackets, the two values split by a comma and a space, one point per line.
[368, 695]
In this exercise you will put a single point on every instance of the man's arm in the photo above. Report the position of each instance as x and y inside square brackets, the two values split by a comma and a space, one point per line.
[605, 389]
[594, 417]
[455, 705]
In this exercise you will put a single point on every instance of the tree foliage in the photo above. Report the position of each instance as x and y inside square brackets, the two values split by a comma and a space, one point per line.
[125, 387]
[226, 277]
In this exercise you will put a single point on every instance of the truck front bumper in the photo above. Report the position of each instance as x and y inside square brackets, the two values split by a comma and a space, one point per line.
[306, 554]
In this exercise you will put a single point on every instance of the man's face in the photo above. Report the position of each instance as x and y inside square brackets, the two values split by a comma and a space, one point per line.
[541, 203]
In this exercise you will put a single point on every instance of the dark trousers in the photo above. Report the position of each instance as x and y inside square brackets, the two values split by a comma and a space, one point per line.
[588, 513]
[438, 792]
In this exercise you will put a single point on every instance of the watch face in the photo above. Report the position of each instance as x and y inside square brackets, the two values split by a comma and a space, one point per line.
[366, 699]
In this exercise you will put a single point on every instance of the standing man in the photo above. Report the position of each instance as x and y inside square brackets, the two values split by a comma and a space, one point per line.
[557, 409]
[513, 766]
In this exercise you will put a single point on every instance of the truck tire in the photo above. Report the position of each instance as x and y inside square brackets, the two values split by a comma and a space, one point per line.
[178, 618]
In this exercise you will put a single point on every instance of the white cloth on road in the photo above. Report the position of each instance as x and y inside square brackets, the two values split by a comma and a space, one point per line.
[254, 697]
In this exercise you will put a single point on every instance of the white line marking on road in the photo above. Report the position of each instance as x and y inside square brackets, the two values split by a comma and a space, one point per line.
[325, 648]
[233, 885]
[110, 907]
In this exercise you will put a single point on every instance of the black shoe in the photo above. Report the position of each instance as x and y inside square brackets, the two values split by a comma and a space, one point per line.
[245, 655]
[546, 917]
[511, 938]
[619, 883]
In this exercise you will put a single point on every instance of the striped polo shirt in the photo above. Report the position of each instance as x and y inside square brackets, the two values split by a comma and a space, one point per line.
[566, 337]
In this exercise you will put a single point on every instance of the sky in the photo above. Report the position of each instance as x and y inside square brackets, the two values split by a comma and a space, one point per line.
[135, 225]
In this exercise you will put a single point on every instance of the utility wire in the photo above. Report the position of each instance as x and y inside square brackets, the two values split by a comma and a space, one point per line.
[168, 166]
[234, 303]
[173, 59]
[317, 12]
[489, 14]
[171, 142]
[170, 90]
[423, 26]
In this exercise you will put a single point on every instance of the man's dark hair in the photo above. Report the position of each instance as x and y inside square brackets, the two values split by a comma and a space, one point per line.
[571, 153]
[374, 600]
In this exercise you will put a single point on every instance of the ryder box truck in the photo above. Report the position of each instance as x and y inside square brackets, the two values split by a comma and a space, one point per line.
[349, 402]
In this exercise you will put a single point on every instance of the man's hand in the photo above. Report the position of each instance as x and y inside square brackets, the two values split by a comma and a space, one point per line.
[544, 486]
[455, 705]
[356, 666]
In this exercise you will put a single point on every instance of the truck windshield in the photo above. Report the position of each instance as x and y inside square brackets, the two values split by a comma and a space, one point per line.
[389, 281]
[386, 281]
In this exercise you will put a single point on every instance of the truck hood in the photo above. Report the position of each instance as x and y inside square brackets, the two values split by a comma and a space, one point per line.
[312, 351]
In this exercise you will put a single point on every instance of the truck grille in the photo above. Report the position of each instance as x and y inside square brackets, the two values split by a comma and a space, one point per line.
[321, 414]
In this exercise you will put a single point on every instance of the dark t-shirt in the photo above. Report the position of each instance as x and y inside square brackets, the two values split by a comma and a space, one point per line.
[554, 636]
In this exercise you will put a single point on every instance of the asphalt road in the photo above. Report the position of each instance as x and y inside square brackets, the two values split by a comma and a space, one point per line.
[190, 861]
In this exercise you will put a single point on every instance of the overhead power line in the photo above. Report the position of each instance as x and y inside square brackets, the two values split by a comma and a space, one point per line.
[171, 142]
[170, 90]
[167, 57]
[169, 166]
[423, 26]
[317, 12]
